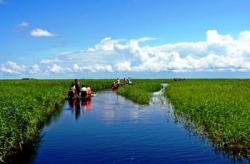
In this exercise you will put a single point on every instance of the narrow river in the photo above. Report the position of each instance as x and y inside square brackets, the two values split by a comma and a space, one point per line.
[112, 129]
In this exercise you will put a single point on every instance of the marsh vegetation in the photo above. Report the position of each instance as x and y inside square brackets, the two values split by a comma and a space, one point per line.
[219, 109]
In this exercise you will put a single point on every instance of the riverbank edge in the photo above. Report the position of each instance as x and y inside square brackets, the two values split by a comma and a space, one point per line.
[234, 148]
[13, 154]
[138, 96]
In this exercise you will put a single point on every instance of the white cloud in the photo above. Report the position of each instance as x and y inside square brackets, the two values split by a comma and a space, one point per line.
[34, 69]
[123, 66]
[49, 61]
[106, 44]
[217, 53]
[214, 37]
[38, 32]
[57, 69]
[245, 36]
[101, 68]
[92, 68]
[12, 68]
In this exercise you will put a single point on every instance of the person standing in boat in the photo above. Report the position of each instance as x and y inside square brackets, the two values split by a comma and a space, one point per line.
[118, 82]
[77, 87]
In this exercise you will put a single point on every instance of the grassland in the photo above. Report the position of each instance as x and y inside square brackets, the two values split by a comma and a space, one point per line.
[25, 105]
[220, 109]
[141, 91]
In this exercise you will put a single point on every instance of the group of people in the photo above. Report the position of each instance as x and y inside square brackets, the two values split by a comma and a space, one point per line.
[117, 83]
[76, 90]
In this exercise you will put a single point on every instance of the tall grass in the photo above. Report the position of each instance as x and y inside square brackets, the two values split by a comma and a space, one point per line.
[141, 91]
[219, 108]
[26, 105]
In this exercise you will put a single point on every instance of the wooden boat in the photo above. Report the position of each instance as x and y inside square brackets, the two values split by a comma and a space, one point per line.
[88, 96]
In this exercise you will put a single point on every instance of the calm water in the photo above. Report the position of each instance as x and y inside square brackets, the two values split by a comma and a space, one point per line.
[112, 129]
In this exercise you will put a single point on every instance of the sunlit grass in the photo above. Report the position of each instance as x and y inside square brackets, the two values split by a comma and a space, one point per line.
[25, 105]
[221, 108]
[141, 91]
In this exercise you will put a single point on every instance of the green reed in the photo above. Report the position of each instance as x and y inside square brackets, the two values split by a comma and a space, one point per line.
[141, 90]
[25, 105]
[220, 109]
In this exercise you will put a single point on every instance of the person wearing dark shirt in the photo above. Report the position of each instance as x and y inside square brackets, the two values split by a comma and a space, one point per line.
[77, 86]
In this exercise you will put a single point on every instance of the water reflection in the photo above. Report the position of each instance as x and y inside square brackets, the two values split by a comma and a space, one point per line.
[87, 105]
[116, 130]
[76, 105]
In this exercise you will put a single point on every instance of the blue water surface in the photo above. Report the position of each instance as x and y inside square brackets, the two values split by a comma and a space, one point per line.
[112, 129]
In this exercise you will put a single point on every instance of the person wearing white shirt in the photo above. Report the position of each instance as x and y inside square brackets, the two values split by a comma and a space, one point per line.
[83, 91]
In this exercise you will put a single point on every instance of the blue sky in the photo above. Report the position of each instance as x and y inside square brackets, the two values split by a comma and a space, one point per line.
[44, 35]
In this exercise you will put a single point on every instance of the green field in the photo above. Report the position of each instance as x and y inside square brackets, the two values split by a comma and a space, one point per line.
[219, 109]
[25, 105]
[141, 91]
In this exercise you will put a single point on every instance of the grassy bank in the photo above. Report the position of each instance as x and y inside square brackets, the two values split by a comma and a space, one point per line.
[141, 91]
[25, 105]
[218, 108]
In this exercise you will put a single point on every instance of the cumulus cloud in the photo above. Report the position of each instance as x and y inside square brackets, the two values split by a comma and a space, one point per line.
[12, 67]
[218, 52]
[123, 66]
[57, 69]
[38, 32]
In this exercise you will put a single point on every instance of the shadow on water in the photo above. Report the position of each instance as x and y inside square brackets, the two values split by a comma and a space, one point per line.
[111, 129]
